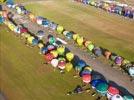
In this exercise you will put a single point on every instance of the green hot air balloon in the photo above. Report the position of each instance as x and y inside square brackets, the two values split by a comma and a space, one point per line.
[90, 47]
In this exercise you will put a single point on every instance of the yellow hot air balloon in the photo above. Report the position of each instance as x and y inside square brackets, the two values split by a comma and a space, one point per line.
[75, 36]
[60, 29]
[80, 41]
[69, 56]
[61, 50]
[68, 66]
[30, 39]
[40, 45]
[55, 53]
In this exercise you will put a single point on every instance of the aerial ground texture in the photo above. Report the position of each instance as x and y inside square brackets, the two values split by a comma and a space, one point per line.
[23, 76]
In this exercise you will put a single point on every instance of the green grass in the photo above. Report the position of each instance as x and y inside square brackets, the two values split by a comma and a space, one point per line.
[24, 77]
[106, 30]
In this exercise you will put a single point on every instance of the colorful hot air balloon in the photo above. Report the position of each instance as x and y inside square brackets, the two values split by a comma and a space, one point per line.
[112, 91]
[125, 62]
[48, 57]
[118, 60]
[75, 36]
[40, 34]
[60, 29]
[96, 81]
[44, 50]
[35, 42]
[55, 53]
[86, 78]
[65, 33]
[128, 97]
[53, 26]
[69, 35]
[86, 43]
[80, 64]
[68, 66]
[90, 47]
[40, 45]
[107, 54]
[102, 88]
[61, 64]
[97, 51]
[117, 97]
[30, 39]
[51, 40]
[69, 56]
[131, 71]
[50, 47]
[45, 23]
[61, 50]
[54, 62]
[39, 20]
[80, 41]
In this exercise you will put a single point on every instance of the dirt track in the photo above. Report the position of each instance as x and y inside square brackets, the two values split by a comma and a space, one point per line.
[115, 76]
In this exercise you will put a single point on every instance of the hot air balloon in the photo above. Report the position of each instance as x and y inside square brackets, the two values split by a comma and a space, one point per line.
[75, 36]
[69, 56]
[40, 34]
[32, 17]
[118, 60]
[80, 41]
[60, 29]
[131, 71]
[65, 33]
[96, 81]
[90, 47]
[113, 57]
[40, 45]
[86, 43]
[86, 78]
[61, 50]
[61, 64]
[50, 47]
[35, 42]
[107, 54]
[97, 51]
[45, 23]
[48, 57]
[51, 40]
[53, 26]
[55, 53]
[68, 66]
[80, 64]
[69, 35]
[128, 97]
[54, 62]
[30, 39]
[112, 91]
[117, 97]
[102, 88]
[125, 62]
[44, 50]
[39, 20]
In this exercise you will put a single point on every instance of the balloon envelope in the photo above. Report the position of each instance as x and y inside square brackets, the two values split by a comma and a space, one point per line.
[86, 78]
[102, 88]
[80, 64]
[117, 97]
[55, 53]
[90, 47]
[62, 64]
[44, 50]
[50, 47]
[54, 62]
[61, 50]
[112, 91]
[69, 56]
[80, 41]
[60, 29]
[128, 97]
[68, 66]
[131, 71]
[48, 57]
[96, 81]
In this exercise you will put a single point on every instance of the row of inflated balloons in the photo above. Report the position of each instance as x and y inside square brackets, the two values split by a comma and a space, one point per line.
[112, 7]
[57, 57]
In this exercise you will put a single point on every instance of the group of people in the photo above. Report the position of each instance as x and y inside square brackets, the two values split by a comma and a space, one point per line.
[64, 60]
[111, 6]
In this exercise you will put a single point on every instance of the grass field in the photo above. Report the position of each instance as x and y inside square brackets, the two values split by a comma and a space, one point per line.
[106, 30]
[23, 76]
